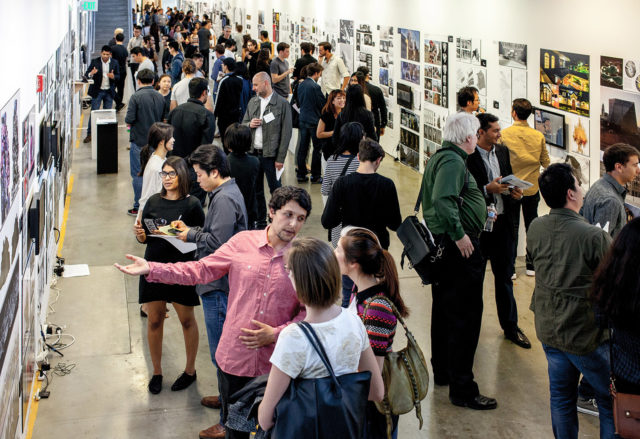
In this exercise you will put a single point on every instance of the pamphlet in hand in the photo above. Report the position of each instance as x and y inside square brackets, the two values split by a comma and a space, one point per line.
[515, 181]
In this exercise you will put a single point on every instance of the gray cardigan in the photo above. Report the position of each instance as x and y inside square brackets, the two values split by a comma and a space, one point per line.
[226, 216]
[275, 134]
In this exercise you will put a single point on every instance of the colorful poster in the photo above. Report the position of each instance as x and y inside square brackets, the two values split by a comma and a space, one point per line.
[564, 81]
[409, 44]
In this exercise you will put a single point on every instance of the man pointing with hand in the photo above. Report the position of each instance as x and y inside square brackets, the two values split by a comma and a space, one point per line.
[262, 300]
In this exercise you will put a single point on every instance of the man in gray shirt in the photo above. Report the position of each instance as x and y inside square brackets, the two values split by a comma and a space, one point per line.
[280, 71]
[604, 202]
[226, 216]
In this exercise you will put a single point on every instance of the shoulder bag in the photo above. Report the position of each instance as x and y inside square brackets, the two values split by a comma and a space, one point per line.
[418, 242]
[405, 375]
[626, 406]
[323, 408]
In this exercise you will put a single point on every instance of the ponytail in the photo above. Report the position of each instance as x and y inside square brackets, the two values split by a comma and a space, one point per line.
[145, 155]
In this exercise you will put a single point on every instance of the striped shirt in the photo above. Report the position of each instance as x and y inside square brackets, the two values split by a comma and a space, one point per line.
[334, 169]
[380, 320]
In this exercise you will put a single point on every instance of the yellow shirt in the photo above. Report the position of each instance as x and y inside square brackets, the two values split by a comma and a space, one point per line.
[528, 151]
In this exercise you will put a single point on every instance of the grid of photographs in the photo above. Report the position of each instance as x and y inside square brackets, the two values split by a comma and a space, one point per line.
[410, 120]
[436, 72]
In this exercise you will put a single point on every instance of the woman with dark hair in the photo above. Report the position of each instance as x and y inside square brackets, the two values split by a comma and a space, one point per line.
[330, 111]
[343, 162]
[154, 31]
[616, 292]
[355, 111]
[264, 61]
[227, 107]
[152, 156]
[172, 203]
[374, 274]
[164, 88]
[358, 79]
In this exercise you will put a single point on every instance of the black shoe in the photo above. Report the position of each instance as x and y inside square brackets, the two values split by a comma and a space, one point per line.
[87, 139]
[183, 381]
[155, 385]
[143, 314]
[518, 337]
[479, 402]
[316, 180]
[120, 107]
[302, 179]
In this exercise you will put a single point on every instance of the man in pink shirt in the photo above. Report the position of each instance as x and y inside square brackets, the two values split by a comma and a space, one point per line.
[262, 300]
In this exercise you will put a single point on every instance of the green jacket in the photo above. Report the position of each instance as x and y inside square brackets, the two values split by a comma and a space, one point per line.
[443, 181]
[566, 251]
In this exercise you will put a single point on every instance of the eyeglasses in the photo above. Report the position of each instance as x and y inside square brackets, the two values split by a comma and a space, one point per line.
[170, 174]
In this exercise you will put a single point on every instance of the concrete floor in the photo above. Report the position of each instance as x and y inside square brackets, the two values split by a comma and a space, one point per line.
[106, 394]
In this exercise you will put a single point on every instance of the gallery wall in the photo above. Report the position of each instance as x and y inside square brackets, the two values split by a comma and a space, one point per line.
[585, 28]
[42, 40]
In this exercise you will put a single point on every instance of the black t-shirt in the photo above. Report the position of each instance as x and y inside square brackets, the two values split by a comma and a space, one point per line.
[245, 168]
[266, 45]
[222, 40]
[203, 39]
[327, 144]
[251, 60]
[120, 54]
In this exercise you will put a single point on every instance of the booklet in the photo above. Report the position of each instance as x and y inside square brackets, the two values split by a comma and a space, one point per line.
[183, 247]
[515, 181]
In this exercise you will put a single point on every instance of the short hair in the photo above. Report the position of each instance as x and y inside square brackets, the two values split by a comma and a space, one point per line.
[252, 41]
[106, 48]
[466, 94]
[197, 55]
[238, 28]
[364, 70]
[284, 194]
[237, 138]
[188, 67]
[315, 271]
[618, 153]
[137, 51]
[145, 76]
[137, 26]
[175, 46]
[325, 45]
[230, 63]
[313, 68]
[118, 30]
[349, 137]
[281, 47]
[120, 37]
[264, 34]
[197, 86]
[523, 108]
[227, 27]
[486, 119]
[554, 183]
[229, 44]
[459, 126]
[369, 150]
[307, 47]
[210, 158]
[219, 49]
[182, 171]
[146, 38]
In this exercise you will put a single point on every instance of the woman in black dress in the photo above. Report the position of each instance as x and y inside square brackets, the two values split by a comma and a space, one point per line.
[172, 203]
[330, 112]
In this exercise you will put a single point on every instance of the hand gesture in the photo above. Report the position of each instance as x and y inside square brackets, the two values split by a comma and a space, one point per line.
[182, 236]
[140, 266]
[516, 193]
[141, 236]
[93, 71]
[178, 224]
[465, 246]
[495, 187]
[111, 75]
[290, 71]
[256, 338]
[255, 122]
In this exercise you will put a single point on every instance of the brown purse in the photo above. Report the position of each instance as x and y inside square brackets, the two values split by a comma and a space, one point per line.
[626, 406]
[405, 375]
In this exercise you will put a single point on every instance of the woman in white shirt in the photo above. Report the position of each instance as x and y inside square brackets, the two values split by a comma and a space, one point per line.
[315, 274]
[152, 156]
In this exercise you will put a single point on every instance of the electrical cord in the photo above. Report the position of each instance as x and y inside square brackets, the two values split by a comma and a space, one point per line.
[63, 369]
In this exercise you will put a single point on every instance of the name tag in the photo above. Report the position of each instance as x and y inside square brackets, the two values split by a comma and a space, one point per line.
[268, 117]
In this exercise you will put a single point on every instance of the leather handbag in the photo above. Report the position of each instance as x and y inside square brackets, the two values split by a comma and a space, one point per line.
[405, 375]
[323, 408]
[626, 406]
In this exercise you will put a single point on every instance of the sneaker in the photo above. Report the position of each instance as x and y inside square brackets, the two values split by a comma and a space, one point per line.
[514, 276]
[183, 381]
[316, 180]
[120, 107]
[531, 273]
[87, 139]
[155, 385]
[588, 406]
[132, 212]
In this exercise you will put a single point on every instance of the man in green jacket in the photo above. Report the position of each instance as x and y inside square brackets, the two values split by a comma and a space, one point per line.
[455, 211]
[566, 250]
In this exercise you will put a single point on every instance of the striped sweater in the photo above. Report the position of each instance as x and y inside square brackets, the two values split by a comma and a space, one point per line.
[380, 320]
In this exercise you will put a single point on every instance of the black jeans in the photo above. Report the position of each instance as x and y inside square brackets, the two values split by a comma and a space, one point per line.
[497, 246]
[456, 316]
[195, 188]
[228, 385]
[306, 135]
[120, 87]
[268, 168]
[225, 120]
[205, 63]
[530, 212]
[134, 68]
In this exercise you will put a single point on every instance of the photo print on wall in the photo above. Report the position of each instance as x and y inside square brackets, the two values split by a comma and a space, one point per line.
[512, 55]
[409, 44]
[611, 72]
[564, 81]
[436, 72]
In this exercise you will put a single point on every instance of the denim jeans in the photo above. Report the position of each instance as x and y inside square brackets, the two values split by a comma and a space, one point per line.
[136, 180]
[529, 212]
[214, 306]
[103, 96]
[307, 134]
[564, 372]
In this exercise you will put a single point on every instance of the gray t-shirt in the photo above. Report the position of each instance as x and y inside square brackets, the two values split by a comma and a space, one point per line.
[278, 67]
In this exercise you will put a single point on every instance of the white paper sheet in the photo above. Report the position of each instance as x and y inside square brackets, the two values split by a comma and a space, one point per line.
[76, 270]
[183, 247]
[279, 173]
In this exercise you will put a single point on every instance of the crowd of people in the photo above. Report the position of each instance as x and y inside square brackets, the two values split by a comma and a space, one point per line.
[256, 279]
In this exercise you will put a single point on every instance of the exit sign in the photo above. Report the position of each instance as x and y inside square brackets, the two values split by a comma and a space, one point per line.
[89, 5]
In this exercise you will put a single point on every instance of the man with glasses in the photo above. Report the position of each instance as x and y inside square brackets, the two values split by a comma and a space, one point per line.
[468, 100]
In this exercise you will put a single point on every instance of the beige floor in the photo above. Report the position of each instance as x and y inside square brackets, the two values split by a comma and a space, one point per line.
[106, 397]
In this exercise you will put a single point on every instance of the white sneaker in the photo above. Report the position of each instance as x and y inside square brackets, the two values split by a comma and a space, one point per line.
[514, 276]
[531, 273]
